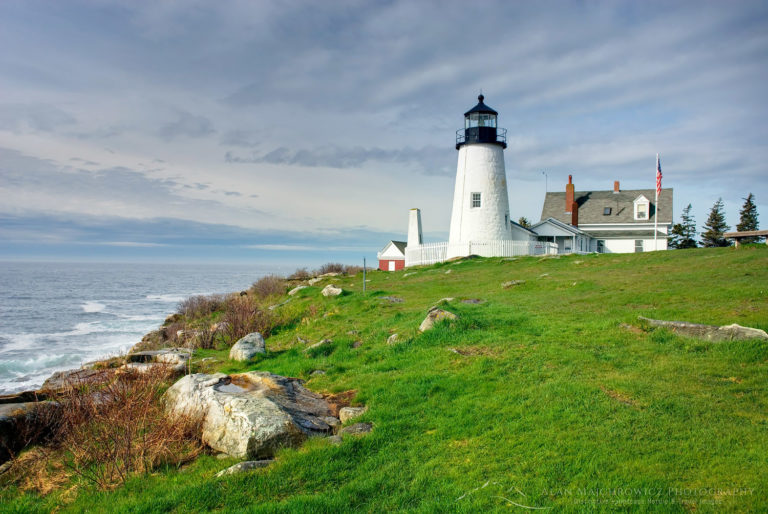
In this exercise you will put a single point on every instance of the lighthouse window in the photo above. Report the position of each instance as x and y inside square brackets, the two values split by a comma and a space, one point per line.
[477, 119]
[475, 200]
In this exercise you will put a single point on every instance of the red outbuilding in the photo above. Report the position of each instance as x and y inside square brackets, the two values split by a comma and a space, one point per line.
[392, 256]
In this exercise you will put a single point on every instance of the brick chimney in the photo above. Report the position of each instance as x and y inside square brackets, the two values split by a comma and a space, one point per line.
[575, 214]
[616, 186]
[569, 194]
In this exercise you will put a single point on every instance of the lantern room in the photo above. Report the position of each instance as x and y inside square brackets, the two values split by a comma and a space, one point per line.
[480, 127]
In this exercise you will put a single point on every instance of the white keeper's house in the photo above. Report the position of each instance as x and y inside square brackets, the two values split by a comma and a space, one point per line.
[481, 219]
[617, 221]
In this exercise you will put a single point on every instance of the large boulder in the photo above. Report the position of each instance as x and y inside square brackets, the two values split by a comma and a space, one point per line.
[435, 315]
[331, 290]
[247, 347]
[715, 333]
[253, 414]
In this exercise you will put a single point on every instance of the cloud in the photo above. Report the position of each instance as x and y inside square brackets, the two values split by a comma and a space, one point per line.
[240, 137]
[430, 160]
[41, 117]
[186, 125]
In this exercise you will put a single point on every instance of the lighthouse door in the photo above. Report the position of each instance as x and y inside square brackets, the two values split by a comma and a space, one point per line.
[391, 265]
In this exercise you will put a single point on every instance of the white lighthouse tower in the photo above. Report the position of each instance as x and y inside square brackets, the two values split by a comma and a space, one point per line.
[480, 212]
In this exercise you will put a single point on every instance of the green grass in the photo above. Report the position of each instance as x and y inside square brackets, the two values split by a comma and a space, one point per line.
[551, 403]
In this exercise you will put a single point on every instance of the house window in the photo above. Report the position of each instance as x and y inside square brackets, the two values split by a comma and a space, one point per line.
[600, 246]
[638, 245]
[475, 200]
[606, 211]
[642, 208]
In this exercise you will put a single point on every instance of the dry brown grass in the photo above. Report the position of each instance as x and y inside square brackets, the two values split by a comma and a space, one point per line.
[105, 431]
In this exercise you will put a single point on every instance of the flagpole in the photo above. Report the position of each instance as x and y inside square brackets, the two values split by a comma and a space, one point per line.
[656, 210]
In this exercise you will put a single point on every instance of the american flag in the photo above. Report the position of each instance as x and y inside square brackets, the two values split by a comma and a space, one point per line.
[658, 175]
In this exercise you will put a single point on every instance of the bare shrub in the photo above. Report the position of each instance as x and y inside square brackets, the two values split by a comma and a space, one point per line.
[352, 270]
[331, 267]
[113, 427]
[244, 315]
[201, 305]
[300, 274]
[268, 285]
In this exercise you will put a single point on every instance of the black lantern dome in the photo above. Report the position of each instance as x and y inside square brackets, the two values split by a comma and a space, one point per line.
[480, 127]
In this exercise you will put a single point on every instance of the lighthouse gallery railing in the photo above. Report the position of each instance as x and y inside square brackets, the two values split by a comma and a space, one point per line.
[432, 253]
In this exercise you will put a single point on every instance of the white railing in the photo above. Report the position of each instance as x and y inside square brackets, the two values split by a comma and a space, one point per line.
[432, 253]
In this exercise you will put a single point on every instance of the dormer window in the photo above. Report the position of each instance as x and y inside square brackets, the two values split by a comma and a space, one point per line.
[606, 211]
[642, 208]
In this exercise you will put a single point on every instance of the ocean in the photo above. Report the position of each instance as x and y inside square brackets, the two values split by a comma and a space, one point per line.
[56, 316]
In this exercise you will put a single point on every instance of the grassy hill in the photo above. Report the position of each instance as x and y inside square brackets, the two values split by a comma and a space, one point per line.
[547, 394]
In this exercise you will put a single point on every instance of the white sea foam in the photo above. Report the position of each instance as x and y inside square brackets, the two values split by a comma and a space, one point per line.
[91, 306]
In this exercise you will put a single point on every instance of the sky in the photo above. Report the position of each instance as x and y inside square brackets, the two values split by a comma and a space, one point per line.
[302, 132]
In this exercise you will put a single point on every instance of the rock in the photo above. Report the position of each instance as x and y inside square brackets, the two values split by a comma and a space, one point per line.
[242, 467]
[392, 339]
[709, 332]
[544, 275]
[507, 285]
[347, 413]
[352, 332]
[324, 342]
[357, 344]
[253, 414]
[331, 274]
[408, 274]
[317, 373]
[62, 380]
[247, 347]
[301, 340]
[444, 300]
[313, 281]
[434, 316]
[331, 290]
[392, 299]
[449, 271]
[296, 290]
[22, 424]
[473, 300]
[357, 429]
[335, 439]
[174, 360]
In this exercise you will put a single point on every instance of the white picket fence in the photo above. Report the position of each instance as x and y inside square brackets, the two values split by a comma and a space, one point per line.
[432, 253]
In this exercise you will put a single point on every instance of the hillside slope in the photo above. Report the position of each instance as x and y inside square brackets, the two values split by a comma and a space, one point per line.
[545, 394]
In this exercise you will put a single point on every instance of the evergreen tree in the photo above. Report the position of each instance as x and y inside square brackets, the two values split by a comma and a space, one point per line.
[523, 222]
[715, 227]
[683, 234]
[748, 218]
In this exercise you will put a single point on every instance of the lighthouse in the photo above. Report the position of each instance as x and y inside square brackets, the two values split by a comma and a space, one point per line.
[480, 213]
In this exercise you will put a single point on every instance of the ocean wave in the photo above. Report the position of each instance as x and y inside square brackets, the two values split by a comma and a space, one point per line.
[91, 306]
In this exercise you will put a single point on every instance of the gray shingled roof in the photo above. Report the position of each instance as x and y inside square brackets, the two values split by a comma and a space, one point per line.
[592, 204]
[400, 245]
